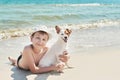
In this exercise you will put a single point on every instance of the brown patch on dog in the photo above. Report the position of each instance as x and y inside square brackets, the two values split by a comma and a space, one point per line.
[67, 31]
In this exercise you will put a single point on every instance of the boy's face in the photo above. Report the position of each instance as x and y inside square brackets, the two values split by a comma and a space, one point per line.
[39, 40]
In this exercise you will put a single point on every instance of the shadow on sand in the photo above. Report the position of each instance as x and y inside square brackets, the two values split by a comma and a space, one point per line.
[19, 74]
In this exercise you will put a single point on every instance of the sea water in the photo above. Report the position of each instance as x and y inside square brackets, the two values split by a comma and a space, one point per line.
[94, 23]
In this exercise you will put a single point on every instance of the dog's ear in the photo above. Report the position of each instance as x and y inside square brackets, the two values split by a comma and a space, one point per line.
[69, 31]
[57, 29]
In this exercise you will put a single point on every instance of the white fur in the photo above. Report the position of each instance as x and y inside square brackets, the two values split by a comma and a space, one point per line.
[52, 55]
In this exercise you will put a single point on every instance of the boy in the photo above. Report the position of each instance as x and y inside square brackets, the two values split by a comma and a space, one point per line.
[33, 53]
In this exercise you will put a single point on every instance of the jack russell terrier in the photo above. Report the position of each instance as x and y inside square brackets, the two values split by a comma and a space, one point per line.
[52, 55]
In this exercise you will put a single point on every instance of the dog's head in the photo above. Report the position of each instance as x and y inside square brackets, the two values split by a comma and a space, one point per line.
[63, 34]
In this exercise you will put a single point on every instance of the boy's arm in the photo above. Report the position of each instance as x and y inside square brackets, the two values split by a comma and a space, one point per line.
[33, 68]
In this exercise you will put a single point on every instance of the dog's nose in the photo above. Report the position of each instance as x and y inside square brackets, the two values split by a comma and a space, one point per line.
[65, 37]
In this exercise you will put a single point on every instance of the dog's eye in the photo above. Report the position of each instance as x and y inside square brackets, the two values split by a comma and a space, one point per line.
[62, 34]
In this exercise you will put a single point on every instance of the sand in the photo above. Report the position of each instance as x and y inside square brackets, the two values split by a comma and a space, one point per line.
[96, 63]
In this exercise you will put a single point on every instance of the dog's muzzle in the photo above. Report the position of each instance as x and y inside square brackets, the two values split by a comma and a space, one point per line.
[65, 39]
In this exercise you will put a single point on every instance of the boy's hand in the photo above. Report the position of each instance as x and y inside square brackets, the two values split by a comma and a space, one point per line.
[45, 49]
[58, 67]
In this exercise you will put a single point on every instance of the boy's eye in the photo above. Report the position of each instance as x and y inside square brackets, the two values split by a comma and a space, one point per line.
[44, 40]
[37, 38]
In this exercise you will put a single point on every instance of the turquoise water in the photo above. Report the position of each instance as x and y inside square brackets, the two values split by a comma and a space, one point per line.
[96, 21]
[57, 1]
[29, 15]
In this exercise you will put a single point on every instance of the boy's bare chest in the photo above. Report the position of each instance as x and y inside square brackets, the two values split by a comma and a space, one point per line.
[37, 58]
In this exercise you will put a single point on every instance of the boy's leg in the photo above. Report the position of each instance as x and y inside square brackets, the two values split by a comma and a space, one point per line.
[13, 61]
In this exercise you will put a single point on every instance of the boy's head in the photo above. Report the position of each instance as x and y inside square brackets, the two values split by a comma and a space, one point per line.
[39, 39]
[40, 32]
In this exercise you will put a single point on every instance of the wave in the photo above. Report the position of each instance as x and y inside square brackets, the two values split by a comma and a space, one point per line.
[88, 4]
[60, 5]
[19, 32]
[55, 17]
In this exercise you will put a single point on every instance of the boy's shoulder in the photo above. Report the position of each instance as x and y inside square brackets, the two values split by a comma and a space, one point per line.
[27, 47]
[27, 50]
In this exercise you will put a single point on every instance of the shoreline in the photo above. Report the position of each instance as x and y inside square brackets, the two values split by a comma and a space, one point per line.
[9, 33]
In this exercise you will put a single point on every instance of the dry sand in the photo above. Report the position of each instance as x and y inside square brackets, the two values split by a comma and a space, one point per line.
[100, 63]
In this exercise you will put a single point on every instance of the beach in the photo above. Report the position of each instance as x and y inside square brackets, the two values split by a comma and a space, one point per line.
[94, 45]
[89, 63]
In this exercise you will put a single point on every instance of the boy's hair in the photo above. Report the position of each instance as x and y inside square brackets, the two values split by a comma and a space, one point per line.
[40, 32]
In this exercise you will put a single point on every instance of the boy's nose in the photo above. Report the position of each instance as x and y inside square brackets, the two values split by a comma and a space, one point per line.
[40, 41]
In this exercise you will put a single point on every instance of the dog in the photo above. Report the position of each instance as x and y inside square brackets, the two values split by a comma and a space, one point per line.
[52, 55]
